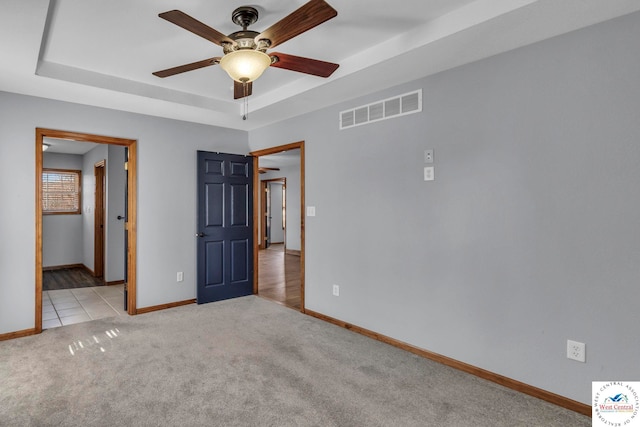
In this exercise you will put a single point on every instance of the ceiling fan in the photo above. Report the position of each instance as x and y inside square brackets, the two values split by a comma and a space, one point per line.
[265, 170]
[245, 56]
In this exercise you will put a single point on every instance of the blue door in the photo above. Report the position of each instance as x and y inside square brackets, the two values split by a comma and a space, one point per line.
[225, 226]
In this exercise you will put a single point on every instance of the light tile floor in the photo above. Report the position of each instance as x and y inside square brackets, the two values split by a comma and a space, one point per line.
[68, 306]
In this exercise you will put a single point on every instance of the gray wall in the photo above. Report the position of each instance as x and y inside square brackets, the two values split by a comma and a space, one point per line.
[166, 196]
[62, 234]
[528, 236]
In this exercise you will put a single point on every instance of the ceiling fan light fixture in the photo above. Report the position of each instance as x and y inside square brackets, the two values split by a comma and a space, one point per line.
[245, 65]
[245, 57]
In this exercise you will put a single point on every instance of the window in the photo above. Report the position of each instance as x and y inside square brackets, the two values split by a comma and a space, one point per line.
[61, 191]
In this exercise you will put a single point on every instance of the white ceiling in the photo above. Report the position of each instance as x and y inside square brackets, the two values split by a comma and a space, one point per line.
[282, 159]
[67, 146]
[102, 53]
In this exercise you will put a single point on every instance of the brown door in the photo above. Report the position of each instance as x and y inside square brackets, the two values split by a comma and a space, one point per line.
[98, 264]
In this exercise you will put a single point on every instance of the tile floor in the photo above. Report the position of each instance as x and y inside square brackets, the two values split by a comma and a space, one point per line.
[68, 306]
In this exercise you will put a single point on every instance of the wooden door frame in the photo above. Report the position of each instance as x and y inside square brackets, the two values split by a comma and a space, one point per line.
[99, 172]
[256, 196]
[131, 225]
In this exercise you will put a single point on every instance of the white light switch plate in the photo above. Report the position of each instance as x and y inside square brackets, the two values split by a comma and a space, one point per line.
[311, 211]
[429, 173]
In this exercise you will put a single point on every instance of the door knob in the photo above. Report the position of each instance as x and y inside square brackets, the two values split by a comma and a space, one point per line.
[201, 234]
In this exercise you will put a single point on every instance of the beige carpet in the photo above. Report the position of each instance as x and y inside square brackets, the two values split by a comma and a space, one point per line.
[243, 362]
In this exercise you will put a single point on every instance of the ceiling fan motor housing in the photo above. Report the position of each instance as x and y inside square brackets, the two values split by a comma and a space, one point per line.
[244, 40]
[245, 16]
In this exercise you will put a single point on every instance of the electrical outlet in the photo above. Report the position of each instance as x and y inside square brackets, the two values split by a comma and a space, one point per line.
[576, 351]
[336, 290]
[179, 276]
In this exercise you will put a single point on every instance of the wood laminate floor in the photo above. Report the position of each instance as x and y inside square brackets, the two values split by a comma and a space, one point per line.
[279, 276]
[69, 278]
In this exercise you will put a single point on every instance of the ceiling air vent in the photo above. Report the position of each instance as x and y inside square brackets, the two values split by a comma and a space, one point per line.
[347, 119]
[376, 111]
[410, 103]
[362, 115]
[392, 107]
[397, 106]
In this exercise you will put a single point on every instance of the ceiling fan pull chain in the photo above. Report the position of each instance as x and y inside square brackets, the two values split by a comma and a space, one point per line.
[245, 116]
[245, 86]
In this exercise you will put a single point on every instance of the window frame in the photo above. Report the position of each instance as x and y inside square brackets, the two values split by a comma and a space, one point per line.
[78, 174]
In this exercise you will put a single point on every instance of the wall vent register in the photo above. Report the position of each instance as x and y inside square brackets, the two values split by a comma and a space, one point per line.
[397, 106]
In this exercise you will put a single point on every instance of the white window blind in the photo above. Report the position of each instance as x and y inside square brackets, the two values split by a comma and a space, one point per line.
[61, 191]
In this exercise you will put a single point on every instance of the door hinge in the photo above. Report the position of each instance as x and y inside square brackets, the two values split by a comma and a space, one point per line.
[126, 166]
[126, 225]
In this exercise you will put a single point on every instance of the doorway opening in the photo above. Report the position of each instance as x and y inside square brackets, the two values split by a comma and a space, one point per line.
[273, 214]
[279, 268]
[128, 293]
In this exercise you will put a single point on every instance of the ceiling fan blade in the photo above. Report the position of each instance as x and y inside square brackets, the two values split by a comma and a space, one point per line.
[303, 19]
[187, 67]
[265, 170]
[185, 21]
[304, 65]
[239, 89]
